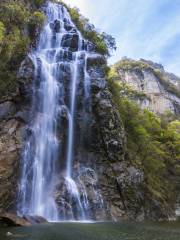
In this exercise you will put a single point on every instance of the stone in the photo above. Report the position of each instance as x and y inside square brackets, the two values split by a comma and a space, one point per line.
[71, 41]
[9, 234]
[12, 220]
[95, 60]
[25, 77]
[57, 26]
[88, 46]
[23, 116]
[68, 27]
[64, 55]
[7, 109]
[10, 151]
[35, 219]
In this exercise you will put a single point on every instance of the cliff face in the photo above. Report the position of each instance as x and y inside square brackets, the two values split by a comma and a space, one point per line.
[160, 89]
[14, 110]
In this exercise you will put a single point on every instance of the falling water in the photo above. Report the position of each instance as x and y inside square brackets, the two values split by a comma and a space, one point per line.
[41, 155]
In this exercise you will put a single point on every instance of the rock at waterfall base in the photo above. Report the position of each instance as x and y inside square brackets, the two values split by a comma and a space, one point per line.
[12, 220]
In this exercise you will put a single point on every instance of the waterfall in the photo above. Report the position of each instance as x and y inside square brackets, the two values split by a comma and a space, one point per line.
[60, 51]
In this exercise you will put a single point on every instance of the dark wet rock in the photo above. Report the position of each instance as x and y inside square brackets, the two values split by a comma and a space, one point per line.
[35, 219]
[70, 41]
[23, 115]
[95, 60]
[98, 84]
[73, 30]
[88, 46]
[57, 26]
[12, 220]
[68, 27]
[26, 70]
[64, 55]
[25, 76]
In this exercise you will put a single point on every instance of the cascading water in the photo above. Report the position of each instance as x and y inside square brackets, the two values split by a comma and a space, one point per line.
[60, 48]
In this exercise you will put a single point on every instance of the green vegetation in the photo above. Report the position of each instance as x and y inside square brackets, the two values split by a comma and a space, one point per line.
[103, 42]
[128, 64]
[17, 30]
[152, 147]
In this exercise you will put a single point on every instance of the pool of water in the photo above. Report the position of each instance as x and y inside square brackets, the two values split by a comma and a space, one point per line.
[95, 231]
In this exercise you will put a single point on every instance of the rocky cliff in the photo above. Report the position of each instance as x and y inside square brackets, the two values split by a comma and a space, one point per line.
[159, 90]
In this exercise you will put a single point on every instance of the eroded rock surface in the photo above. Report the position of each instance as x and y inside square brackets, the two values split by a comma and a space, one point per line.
[161, 89]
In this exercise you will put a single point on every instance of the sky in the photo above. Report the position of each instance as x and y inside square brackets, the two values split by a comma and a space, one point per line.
[148, 29]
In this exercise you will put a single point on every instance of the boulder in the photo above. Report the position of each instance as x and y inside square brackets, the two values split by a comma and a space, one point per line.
[57, 26]
[7, 109]
[35, 219]
[11, 132]
[12, 220]
[88, 46]
[25, 77]
[95, 60]
[71, 41]
[68, 27]
[64, 55]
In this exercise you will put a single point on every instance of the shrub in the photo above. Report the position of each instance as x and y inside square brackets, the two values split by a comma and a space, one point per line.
[36, 21]
[13, 13]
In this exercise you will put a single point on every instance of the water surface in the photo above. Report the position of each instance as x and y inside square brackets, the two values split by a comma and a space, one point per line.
[95, 231]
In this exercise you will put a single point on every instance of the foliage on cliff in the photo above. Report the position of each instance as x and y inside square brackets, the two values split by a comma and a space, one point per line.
[18, 24]
[152, 147]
